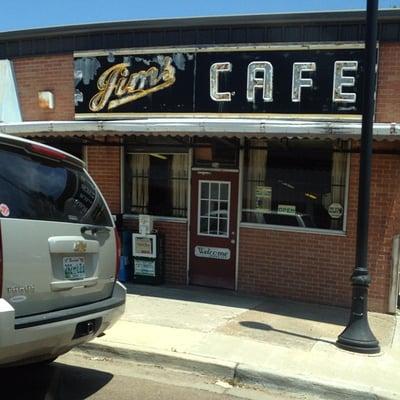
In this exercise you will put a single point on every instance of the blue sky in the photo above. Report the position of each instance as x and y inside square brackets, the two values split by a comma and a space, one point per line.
[24, 14]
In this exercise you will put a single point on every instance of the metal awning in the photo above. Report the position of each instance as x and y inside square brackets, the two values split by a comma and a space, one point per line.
[200, 127]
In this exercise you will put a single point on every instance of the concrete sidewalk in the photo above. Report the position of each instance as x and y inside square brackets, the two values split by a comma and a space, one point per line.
[265, 341]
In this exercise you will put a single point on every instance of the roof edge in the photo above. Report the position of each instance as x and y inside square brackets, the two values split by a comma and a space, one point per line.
[231, 20]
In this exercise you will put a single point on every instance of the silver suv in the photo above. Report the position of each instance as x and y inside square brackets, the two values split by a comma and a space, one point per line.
[59, 254]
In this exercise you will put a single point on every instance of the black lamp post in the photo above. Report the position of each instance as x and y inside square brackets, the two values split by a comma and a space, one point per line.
[358, 336]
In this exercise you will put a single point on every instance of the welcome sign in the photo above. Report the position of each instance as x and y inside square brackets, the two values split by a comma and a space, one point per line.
[212, 252]
[310, 82]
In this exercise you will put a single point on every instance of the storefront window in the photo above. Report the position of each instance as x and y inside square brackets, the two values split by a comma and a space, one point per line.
[216, 153]
[295, 182]
[157, 184]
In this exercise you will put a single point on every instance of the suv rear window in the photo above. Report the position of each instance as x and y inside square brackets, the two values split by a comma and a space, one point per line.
[33, 187]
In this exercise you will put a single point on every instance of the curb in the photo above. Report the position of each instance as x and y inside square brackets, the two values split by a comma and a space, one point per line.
[301, 384]
[238, 373]
[187, 362]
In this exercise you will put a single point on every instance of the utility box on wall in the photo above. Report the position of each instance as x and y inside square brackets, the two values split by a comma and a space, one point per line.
[148, 255]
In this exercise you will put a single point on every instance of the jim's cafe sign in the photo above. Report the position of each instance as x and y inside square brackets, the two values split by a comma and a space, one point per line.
[288, 80]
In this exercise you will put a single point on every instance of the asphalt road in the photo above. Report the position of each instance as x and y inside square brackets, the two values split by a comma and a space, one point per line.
[75, 377]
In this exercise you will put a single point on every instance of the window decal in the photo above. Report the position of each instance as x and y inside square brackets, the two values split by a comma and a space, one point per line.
[4, 210]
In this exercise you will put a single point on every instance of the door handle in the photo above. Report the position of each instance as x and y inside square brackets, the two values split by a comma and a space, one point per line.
[58, 286]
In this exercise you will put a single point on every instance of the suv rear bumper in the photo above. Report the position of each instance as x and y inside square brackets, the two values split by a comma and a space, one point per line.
[45, 336]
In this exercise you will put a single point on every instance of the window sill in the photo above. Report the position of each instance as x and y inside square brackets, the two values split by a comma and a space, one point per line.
[294, 229]
[156, 218]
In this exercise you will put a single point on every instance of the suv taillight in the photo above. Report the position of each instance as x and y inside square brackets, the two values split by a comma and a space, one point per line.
[1, 263]
[47, 151]
[117, 252]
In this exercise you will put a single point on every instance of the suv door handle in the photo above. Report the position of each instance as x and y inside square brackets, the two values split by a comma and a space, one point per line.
[93, 228]
[57, 286]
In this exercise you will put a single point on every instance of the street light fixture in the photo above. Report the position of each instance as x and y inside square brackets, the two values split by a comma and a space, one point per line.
[357, 335]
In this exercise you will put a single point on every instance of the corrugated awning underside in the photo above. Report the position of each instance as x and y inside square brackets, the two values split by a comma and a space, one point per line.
[200, 127]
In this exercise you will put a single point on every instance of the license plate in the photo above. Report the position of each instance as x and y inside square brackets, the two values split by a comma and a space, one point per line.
[74, 267]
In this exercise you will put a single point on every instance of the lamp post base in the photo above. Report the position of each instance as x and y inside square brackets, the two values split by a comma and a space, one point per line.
[357, 335]
[358, 346]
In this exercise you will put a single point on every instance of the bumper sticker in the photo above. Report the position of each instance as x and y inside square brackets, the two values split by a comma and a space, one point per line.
[4, 210]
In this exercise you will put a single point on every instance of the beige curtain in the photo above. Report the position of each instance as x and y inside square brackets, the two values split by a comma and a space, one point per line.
[338, 183]
[139, 164]
[256, 172]
[179, 184]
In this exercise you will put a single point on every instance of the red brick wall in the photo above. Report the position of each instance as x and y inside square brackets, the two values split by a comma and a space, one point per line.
[104, 166]
[388, 103]
[46, 73]
[384, 222]
[317, 268]
[175, 248]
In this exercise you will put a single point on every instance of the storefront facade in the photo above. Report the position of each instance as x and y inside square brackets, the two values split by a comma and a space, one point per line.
[240, 136]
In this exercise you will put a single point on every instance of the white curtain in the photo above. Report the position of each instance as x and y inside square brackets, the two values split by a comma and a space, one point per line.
[139, 164]
[256, 171]
[179, 184]
[338, 183]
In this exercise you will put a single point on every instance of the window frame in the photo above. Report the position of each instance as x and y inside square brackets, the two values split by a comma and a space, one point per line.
[298, 229]
[199, 198]
[210, 142]
[126, 205]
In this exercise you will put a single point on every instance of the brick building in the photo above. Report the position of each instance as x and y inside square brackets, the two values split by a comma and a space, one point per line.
[240, 135]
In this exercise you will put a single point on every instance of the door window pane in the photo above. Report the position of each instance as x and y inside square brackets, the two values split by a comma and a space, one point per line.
[214, 190]
[204, 208]
[224, 192]
[223, 227]
[223, 205]
[214, 207]
[205, 191]
[213, 226]
[204, 225]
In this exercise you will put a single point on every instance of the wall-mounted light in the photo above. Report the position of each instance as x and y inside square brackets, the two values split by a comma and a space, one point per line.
[46, 100]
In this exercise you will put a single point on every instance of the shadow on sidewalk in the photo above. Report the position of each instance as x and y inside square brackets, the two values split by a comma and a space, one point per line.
[196, 294]
[266, 327]
[230, 298]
